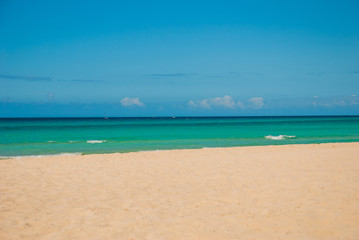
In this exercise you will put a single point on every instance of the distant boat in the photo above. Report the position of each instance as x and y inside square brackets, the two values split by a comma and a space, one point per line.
[173, 116]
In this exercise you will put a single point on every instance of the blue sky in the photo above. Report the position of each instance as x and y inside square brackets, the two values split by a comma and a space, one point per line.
[197, 58]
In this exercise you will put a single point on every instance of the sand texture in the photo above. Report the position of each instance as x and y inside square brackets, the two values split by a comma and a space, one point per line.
[273, 192]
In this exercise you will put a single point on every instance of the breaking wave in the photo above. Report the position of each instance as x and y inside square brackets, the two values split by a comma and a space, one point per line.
[41, 155]
[280, 137]
[96, 141]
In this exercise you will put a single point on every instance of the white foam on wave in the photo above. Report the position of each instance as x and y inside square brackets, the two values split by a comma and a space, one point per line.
[279, 137]
[39, 156]
[50, 141]
[73, 141]
[96, 141]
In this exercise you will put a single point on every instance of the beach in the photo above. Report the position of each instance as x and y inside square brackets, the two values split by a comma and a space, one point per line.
[308, 191]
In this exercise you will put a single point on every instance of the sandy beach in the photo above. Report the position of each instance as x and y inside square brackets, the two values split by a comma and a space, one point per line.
[271, 192]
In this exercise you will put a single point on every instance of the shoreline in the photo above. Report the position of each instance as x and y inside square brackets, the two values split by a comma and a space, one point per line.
[159, 150]
[302, 191]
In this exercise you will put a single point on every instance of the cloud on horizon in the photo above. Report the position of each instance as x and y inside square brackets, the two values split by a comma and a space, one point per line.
[132, 102]
[335, 102]
[256, 102]
[226, 102]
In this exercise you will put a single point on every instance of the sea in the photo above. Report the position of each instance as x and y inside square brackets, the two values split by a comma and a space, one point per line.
[21, 137]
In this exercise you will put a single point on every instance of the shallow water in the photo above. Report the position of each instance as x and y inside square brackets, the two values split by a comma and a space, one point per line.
[23, 137]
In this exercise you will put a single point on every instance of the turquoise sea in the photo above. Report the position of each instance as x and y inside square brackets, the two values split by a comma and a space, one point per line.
[47, 136]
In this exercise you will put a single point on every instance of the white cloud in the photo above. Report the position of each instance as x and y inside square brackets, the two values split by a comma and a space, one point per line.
[256, 102]
[226, 102]
[353, 95]
[204, 104]
[321, 104]
[191, 103]
[330, 103]
[200, 104]
[129, 102]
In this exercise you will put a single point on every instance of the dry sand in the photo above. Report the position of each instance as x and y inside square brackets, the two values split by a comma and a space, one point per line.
[274, 192]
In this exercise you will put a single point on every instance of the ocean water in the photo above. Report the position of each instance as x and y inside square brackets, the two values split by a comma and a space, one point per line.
[24, 137]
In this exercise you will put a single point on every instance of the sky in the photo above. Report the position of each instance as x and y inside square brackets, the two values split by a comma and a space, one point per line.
[186, 58]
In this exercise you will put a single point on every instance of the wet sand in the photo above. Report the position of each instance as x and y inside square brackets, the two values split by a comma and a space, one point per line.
[271, 192]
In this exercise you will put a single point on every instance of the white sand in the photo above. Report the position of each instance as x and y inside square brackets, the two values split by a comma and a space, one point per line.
[275, 192]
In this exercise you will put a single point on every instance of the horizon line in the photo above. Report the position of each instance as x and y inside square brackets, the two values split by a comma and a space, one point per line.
[171, 117]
